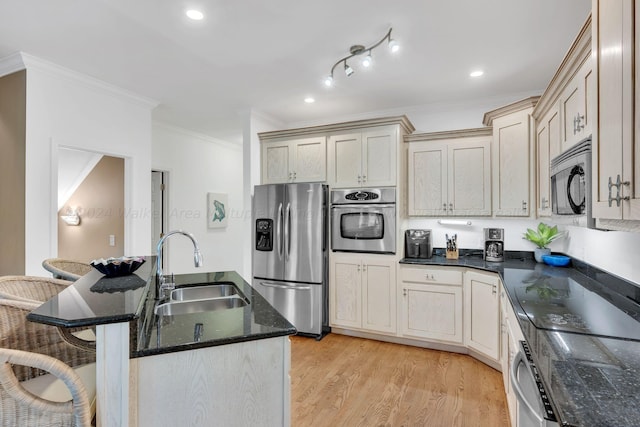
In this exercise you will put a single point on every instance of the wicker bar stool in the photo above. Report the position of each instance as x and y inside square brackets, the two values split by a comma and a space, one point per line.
[43, 379]
[66, 269]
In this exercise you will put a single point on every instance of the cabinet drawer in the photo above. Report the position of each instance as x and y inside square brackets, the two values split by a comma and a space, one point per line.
[448, 276]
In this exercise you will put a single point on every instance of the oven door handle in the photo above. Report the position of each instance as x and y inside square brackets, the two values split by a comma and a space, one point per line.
[517, 360]
[365, 206]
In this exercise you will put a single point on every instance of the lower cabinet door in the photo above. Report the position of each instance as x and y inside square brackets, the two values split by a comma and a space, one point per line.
[432, 312]
[482, 313]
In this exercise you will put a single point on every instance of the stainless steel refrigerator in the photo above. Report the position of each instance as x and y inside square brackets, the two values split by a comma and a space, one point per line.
[290, 252]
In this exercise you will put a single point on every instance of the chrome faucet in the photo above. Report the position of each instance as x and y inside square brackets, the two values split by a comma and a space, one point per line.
[161, 285]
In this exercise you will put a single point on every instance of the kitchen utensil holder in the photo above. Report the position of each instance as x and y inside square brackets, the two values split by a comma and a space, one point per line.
[452, 254]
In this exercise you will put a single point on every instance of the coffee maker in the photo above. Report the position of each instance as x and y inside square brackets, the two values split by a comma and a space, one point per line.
[417, 244]
[494, 244]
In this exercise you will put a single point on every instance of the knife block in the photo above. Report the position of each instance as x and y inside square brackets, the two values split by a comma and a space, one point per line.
[452, 254]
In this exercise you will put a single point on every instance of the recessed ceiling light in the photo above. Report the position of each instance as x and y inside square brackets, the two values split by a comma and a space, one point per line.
[309, 100]
[476, 73]
[196, 15]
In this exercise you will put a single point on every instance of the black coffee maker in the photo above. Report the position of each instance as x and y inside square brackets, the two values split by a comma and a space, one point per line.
[494, 244]
[417, 244]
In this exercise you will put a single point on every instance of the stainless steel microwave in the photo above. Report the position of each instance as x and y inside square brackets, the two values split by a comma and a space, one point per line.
[571, 186]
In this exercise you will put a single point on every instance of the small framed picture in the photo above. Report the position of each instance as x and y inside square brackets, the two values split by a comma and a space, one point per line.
[217, 210]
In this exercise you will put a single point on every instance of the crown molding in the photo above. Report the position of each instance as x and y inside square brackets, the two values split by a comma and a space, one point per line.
[402, 121]
[21, 61]
[490, 116]
[578, 54]
[11, 64]
[449, 134]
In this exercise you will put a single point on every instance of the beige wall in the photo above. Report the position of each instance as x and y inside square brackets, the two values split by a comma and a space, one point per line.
[12, 173]
[100, 203]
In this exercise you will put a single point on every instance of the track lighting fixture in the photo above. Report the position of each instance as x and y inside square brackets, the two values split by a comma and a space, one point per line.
[367, 61]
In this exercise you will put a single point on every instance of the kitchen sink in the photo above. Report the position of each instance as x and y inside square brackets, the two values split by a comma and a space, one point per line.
[174, 308]
[204, 291]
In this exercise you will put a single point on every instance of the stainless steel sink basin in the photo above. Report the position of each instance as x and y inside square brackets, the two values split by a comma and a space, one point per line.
[197, 292]
[174, 308]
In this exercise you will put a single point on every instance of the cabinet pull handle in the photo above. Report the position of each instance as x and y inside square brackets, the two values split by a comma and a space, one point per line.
[404, 292]
[358, 268]
[444, 206]
[451, 207]
[495, 290]
[364, 267]
[617, 184]
[359, 179]
[294, 176]
[544, 203]
[364, 178]
[524, 205]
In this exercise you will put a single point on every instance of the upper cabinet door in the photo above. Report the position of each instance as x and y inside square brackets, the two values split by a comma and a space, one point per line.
[310, 160]
[576, 108]
[428, 193]
[276, 157]
[469, 177]
[379, 157]
[345, 160]
[512, 180]
[613, 159]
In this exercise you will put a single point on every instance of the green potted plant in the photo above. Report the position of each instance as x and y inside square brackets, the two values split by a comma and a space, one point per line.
[541, 238]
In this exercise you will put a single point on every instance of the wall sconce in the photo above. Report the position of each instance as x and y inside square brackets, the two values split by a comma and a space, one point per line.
[358, 49]
[71, 217]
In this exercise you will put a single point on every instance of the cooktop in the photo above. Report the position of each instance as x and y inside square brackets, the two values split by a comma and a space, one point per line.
[557, 300]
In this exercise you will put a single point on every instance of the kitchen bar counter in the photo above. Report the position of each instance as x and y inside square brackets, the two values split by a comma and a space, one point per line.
[592, 379]
[96, 300]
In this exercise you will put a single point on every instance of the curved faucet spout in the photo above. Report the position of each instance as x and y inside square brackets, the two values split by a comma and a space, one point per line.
[197, 256]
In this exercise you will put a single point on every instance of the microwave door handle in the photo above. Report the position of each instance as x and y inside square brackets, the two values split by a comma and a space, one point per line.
[365, 206]
[517, 360]
[279, 230]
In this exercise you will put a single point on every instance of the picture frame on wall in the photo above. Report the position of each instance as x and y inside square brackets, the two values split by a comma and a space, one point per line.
[217, 210]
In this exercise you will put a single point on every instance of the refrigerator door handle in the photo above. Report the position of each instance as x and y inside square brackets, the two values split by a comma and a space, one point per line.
[279, 230]
[287, 231]
[275, 285]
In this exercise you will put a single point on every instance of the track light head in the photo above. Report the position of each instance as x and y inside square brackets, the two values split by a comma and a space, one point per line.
[347, 69]
[366, 61]
[393, 45]
[328, 81]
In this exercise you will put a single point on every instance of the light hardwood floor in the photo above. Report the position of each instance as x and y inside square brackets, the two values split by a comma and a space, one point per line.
[346, 381]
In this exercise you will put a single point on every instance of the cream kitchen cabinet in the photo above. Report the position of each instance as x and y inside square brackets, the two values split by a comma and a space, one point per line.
[365, 158]
[616, 157]
[577, 106]
[300, 160]
[362, 292]
[482, 313]
[512, 158]
[431, 303]
[547, 147]
[449, 173]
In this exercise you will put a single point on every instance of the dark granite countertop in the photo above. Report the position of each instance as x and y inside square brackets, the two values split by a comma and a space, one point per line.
[96, 300]
[589, 364]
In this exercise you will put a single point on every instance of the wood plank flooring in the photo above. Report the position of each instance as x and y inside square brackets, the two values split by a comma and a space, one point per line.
[346, 381]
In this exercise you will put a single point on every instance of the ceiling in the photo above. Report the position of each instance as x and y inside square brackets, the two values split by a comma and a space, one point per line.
[268, 55]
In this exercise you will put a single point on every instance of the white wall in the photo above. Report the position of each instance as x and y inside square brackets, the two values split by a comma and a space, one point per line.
[68, 109]
[197, 165]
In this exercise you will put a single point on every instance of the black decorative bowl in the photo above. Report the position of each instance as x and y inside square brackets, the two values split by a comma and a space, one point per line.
[115, 267]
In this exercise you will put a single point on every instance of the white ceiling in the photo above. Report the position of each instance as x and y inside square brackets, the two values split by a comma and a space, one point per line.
[267, 55]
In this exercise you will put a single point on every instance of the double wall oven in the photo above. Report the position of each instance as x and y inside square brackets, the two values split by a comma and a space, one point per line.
[364, 220]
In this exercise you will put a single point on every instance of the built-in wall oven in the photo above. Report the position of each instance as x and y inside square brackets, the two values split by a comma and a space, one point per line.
[363, 220]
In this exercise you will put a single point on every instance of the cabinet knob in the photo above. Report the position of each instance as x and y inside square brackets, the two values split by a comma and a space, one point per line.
[451, 207]
[444, 206]
[524, 205]
[404, 292]
[359, 179]
[364, 178]
[294, 175]
[358, 268]
[364, 267]
[544, 203]
[495, 289]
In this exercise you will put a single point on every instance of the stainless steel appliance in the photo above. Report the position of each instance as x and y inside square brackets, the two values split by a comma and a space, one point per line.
[290, 252]
[534, 405]
[417, 244]
[363, 220]
[571, 186]
[494, 244]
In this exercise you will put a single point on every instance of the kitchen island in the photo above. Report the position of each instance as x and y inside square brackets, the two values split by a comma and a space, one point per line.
[589, 363]
[227, 367]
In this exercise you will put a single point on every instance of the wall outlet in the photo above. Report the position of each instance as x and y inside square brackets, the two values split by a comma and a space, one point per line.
[112, 239]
